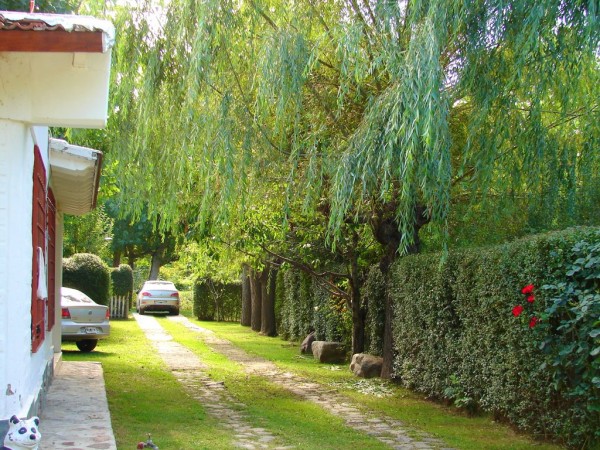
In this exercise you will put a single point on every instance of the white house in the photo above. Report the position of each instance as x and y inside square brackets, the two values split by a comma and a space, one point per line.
[54, 71]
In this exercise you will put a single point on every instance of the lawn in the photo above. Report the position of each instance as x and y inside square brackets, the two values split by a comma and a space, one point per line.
[453, 426]
[145, 398]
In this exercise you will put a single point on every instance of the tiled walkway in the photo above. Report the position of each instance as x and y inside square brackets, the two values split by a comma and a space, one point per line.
[76, 415]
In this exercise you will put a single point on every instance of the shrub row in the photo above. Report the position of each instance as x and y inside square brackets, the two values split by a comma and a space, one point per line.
[303, 305]
[458, 338]
[122, 280]
[217, 301]
[89, 274]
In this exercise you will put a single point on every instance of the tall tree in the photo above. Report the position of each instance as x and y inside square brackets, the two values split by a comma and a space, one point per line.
[384, 114]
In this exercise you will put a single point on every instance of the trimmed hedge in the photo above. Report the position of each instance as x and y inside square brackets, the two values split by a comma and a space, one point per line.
[89, 274]
[303, 305]
[122, 280]
[456, 337]
[373, 296]
[217, 301]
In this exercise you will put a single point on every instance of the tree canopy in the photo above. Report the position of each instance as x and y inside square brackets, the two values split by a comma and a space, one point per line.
[370, 111]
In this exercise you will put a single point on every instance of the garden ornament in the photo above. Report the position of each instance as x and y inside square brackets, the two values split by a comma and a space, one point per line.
[23, 434]
[147, 444]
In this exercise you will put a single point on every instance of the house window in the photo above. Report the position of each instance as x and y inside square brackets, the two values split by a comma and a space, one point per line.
[39, 241]
[51, 227]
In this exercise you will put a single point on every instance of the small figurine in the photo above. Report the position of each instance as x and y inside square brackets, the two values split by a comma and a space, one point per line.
[147, 444]
[23, 434]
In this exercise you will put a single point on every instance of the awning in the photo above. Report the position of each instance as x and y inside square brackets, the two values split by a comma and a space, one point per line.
[74, 176]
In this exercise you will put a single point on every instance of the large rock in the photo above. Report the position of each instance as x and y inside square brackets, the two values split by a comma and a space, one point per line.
[306, 345]
[366, 366]
[329, 352]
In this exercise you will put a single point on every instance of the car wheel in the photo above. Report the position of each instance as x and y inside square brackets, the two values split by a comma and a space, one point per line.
[174, 312]
[87, 345]
[141, 311]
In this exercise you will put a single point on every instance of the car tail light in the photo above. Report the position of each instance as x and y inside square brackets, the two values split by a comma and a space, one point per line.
[107, 313]
[175, 294]
[146, 294]
[65, 313]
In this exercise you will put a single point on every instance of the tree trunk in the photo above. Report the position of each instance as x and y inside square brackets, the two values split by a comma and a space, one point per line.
[117, 258]
[386, 231]
[158, 259]
[246, 318]
[130, 257]
[358, 311]
[268, 280]
[256, 300]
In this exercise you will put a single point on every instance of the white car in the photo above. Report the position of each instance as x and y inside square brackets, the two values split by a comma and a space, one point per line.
[83, 320]
[158, 296]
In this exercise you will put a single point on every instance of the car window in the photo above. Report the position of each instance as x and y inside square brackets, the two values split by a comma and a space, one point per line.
[76, 298]
[159, 285]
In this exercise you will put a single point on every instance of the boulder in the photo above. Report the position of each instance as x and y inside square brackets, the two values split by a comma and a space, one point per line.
[329, 352]
[305, 347]
[366, 366]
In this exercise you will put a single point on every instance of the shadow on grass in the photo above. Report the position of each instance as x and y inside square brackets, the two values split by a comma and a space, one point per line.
[91, 356]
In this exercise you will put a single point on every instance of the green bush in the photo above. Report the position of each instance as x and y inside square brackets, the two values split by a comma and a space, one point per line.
[89, 274]
[122, 280]
[217, 301]
[305, 305]
[456, 337]
[373, 295]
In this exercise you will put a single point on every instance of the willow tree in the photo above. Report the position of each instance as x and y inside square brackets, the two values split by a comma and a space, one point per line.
[381, 113]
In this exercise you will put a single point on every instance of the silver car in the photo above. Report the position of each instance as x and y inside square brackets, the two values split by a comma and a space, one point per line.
[83, 320]
[158, 296]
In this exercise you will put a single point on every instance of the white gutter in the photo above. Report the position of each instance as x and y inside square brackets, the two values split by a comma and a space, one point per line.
[74, 176]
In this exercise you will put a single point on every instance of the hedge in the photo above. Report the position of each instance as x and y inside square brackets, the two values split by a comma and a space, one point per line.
[456, 336]
[217, 301]
[303, 305]
[373, 297]
[89, 274]
[122, 280]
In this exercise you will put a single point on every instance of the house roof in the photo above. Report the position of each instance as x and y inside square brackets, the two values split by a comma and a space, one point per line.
[34, 32]
[75, 176]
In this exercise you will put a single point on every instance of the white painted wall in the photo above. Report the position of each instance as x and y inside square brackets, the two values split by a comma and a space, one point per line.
[19, 368]
[55, 89]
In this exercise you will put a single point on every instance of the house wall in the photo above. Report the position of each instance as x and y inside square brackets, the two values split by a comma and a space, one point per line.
[73, 86]
[23, 375]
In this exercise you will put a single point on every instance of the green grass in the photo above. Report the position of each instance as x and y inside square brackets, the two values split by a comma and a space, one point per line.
[144, 397]
[294, 420]
[453, 426]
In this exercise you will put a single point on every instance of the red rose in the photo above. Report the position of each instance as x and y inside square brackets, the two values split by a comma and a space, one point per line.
[527, 289]
[530, 298]
[517, 310]
[533, 322]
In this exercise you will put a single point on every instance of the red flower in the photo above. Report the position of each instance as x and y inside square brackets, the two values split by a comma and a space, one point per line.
[527, 289]
[533, 322]
[530, 298]
[517, 310]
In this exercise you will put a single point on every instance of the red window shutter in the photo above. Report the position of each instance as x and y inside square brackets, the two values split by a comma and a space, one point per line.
[51, 227]
[38, 240]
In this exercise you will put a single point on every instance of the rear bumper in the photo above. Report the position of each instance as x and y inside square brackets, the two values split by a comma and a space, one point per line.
[159, 307]
[78, 333]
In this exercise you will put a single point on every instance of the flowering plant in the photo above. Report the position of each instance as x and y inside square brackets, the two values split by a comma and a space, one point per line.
[527, 291]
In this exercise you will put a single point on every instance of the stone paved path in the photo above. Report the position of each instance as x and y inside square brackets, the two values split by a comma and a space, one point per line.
[387, 430]
[191, 373]
[79, 420]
